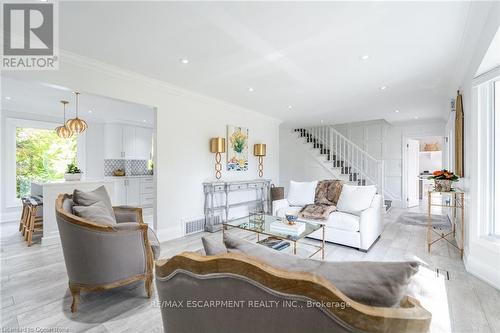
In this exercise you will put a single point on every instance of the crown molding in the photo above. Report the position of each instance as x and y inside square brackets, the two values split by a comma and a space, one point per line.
[121, 73]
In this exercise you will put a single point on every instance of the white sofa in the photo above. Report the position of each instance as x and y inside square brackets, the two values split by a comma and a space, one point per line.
[359, 230]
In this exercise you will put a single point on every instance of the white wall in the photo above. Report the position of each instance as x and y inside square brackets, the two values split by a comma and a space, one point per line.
[482, 253]
[295, 162]
[379, 138]
[185, 123]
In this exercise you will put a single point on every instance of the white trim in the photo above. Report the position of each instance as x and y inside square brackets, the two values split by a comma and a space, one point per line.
[170, 233]
[490, 75]
[479, 269]
[13, 216]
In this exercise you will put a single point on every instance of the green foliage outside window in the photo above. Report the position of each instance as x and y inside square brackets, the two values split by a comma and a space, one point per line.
[41, 156]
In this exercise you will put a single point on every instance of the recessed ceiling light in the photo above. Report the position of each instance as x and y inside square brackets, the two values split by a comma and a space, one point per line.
[289, 107]
[144, 121]
[43, 0]
[365, 57]
[7, 98]
[383, 88]
[397, 111]
[416, 117]
[90, 111]
[184, 61]
[250, 89]
[321, 121]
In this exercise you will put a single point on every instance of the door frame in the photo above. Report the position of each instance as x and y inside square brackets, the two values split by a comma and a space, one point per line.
[405, 171]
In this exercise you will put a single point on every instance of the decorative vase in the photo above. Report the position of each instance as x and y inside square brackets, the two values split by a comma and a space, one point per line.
[72, 176]
[442, 185]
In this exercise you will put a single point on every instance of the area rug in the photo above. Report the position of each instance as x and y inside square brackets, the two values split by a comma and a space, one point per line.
[439, 222]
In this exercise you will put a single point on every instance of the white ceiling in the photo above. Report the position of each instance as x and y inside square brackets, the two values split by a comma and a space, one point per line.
[304, 54]
[492, 57]
[43, 99]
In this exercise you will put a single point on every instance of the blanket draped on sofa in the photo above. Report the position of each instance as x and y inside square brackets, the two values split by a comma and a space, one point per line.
[325, 200]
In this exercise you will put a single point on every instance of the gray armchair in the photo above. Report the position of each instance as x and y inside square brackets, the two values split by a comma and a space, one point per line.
[99, 256]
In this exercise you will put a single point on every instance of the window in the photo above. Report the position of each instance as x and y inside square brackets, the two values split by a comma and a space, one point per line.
[34, 152]
[496, 144]
[41, 156]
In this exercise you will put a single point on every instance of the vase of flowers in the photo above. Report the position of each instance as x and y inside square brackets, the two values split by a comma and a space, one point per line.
[443, 179]
[73, 173]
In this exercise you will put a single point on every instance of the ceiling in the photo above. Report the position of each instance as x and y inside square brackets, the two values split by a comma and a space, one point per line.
[492, 57]
[306, 55]
[44, 99]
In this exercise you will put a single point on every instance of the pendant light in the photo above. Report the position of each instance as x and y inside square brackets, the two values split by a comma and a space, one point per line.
[63, 131]
[76, 125]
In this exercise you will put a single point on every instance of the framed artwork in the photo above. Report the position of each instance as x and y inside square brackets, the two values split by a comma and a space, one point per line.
[237, 148]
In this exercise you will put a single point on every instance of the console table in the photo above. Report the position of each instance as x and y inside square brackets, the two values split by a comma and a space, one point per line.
[457, 201]
[215, 215]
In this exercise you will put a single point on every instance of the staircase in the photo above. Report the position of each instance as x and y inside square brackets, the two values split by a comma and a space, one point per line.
[343, 158]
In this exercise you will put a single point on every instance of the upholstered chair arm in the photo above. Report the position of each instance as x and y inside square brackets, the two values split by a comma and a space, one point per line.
[128, 214]
[279, 204]
[96, 257]
[370, 223]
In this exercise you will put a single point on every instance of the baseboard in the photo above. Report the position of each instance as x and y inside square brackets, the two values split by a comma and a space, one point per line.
[483, 272]
[398, 203]
[11, 216]
[167, 234]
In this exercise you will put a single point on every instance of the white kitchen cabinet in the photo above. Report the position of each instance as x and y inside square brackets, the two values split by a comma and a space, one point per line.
[113, 141]
[127, 142]
[135, 192]
[143, 143]
[133, 186]
[120, 192]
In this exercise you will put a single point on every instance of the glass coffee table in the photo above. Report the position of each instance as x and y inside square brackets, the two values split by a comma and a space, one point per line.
[260, 224]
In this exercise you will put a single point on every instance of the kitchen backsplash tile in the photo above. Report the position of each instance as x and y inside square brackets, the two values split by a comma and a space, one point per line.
[131, 167]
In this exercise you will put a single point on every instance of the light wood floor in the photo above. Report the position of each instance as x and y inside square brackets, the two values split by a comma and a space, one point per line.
[34, 291]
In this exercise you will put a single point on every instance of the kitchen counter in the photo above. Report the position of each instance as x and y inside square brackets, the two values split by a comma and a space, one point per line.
[69, 183]
[127, 176]
[50, 192]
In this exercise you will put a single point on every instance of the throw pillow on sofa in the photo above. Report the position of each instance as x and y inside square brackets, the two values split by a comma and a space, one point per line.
[96, 212]
[82, 198]
[355, 199]
[371, 283]
[301, 193]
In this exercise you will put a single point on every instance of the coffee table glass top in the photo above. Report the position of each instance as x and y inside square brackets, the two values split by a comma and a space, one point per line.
[262, 224]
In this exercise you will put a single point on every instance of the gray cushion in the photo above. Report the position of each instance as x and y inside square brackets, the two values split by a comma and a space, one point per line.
[82, 198]
[371, 283]
[97, 212]
[213, 248]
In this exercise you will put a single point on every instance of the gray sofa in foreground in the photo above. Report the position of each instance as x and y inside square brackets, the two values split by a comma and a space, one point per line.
[241, 289]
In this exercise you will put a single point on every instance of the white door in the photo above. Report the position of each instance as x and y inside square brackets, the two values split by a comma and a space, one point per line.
[412, 173]
[129, 141]
[113, 141]
[143, 143]
[133, 192]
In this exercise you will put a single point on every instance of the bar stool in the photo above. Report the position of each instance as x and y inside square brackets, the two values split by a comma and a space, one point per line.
[24, 215]
[35, 217]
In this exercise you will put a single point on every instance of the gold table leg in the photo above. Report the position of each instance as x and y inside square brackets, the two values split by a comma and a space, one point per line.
[323, 246]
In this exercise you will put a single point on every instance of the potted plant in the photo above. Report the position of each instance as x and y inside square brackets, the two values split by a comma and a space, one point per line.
[73, 173]
[443, 180]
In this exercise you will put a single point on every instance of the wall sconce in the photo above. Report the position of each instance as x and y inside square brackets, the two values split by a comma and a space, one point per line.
[218, 146]
[259, 149]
